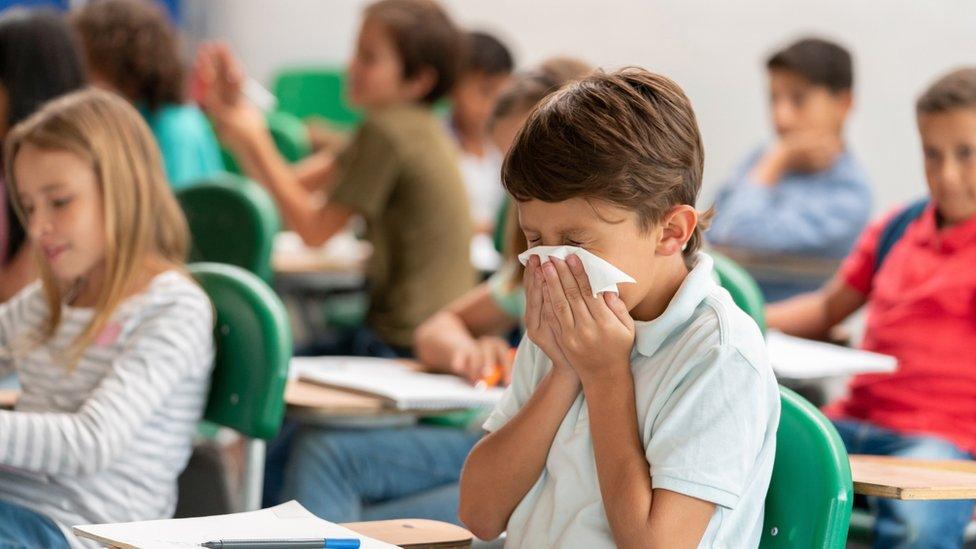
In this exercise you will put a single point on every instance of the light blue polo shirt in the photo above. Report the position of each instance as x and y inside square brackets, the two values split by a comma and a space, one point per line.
[707, 407]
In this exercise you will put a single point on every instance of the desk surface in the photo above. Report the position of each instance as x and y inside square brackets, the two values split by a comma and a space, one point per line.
[900, 478]
[415, 533]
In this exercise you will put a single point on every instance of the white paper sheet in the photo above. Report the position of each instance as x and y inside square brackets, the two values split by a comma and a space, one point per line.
[796, 358]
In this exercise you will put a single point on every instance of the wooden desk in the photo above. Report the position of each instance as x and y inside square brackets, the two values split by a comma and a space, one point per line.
[913, 479]
[415, 533]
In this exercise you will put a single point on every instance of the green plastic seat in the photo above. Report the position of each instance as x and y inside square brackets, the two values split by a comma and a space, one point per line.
[232, 220]
[743, 288]
[811, 493]
[315, 92]
[290, 137]
[253, 350]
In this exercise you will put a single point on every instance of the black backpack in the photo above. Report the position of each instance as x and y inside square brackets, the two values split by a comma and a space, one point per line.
[895, 228]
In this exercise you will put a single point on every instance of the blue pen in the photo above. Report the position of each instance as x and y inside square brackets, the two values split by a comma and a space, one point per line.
[314, 543]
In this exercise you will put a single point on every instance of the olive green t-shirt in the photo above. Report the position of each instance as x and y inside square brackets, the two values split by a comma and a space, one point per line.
[400, 172]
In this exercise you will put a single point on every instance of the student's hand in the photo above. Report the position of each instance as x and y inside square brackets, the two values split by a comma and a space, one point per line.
[477, 360]
[812, 151]
[538, 318]
[217, 83]
[596, 334]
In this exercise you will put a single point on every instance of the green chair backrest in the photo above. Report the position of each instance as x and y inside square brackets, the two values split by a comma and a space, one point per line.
[253, 343]
[811, 493]
[743, 288]
[232, 220]
[315, 91]
[290, 137]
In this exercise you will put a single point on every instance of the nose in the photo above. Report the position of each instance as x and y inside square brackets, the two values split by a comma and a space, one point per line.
[949, 173]
[38, 224]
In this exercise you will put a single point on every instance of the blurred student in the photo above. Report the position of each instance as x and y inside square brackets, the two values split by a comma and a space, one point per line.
[39, 60]
[133, 49]
[913, 269]
[400, 171]
[804, 193]
[486, 72]
[114, 346]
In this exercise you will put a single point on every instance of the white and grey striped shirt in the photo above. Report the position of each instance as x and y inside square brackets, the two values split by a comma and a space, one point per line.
[106, 442]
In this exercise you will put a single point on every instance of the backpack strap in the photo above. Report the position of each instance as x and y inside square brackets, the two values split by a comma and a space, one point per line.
[895, 228]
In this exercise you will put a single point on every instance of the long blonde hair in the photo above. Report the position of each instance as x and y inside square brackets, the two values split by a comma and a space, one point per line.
[142, 218]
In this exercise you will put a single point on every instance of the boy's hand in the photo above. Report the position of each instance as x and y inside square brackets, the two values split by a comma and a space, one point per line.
[811, 151]
[217, 82]
[538, 321]
[477, 360]
[595, 334]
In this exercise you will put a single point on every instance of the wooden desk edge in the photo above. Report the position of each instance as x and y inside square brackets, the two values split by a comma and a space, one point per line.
[416, 533]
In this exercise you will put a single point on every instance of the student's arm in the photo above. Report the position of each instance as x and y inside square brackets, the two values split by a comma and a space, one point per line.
[242, 128]
[504, 465]
[174, 344]
[304, 211]
[316, 173]
[13, 319]
[813, 218]
[813, 314]
[463, 339]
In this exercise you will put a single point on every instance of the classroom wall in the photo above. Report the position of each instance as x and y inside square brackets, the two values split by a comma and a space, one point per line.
[715, 50]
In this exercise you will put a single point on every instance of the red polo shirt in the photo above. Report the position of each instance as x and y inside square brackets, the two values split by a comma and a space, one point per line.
[921, 309]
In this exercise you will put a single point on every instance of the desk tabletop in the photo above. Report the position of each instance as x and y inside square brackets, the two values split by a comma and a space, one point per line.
[914, 479]
[415, 533]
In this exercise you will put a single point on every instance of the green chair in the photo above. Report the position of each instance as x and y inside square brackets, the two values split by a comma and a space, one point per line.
[232, 220]
[743, 288]
[315, 91]
[811, 493]
[253, 349]
[290, 137]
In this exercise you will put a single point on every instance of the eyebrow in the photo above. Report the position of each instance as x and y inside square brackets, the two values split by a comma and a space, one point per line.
[48, 188]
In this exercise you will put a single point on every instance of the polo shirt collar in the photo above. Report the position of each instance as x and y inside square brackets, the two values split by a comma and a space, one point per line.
[948, 239]
[693, 290]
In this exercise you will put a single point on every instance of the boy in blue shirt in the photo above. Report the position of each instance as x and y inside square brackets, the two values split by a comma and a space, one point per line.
[803, 193]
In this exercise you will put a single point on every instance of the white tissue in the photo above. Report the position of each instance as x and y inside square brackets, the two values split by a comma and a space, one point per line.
[603, 276]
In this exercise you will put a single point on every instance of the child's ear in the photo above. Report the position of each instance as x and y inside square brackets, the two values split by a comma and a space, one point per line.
[420, 84]
[845, 99]
[677, 226]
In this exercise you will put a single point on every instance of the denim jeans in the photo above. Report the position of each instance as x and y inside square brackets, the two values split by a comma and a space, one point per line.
[21, 528]
[910, 524]
[376, 474]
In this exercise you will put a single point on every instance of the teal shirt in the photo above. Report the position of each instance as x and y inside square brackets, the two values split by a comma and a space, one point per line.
[187, 142]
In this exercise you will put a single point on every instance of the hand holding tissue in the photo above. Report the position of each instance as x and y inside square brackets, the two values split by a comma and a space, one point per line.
[603, 276]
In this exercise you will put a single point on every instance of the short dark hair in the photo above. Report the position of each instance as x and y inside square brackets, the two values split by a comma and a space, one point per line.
[39, 60]
[425, 37]
[629, 138]
[821, 62]
[955, 90]
[133, 44]
[487, 54]
[532, 86]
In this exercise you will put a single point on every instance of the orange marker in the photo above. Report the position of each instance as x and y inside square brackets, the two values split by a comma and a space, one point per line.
[494, 377]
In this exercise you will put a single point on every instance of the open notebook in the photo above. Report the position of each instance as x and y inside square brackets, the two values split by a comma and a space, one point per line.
[796, 358]
[286, 521]
[394, 382]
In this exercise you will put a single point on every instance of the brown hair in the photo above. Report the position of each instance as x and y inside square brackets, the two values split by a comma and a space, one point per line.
[142, 217]
[953, 91]
[425, 37]
[132, 44]
[821, 62]
[628, 138]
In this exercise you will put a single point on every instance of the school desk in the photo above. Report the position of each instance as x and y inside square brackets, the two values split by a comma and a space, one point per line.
[781, 267]
[913, 479]
[415, 533]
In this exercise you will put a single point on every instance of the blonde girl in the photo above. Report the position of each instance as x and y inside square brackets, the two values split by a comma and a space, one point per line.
[113, 346]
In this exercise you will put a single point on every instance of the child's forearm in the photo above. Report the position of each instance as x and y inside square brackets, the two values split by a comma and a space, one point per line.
[505, 465]
[622, 468]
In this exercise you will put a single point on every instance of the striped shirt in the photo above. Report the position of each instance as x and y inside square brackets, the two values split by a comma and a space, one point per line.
[105, 442]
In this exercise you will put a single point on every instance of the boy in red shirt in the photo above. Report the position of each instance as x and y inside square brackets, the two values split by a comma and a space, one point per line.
[915, 272]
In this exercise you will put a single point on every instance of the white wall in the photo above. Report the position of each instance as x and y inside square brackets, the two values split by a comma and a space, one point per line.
[714, 49]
